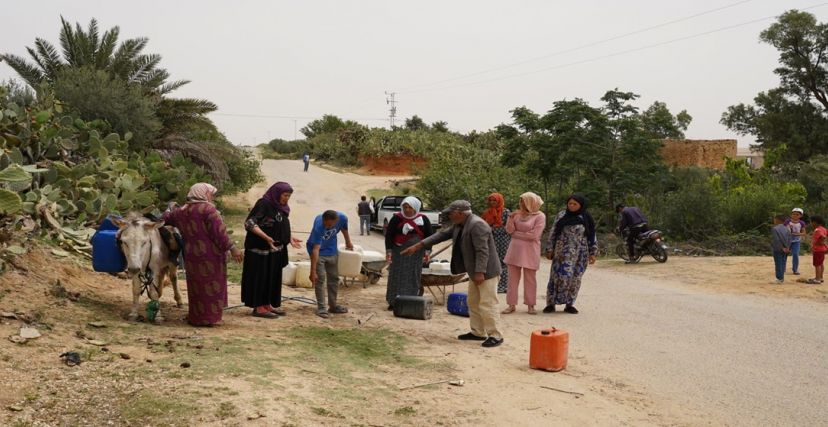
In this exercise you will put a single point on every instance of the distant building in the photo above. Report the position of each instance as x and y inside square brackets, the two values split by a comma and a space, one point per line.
[754, 157]
[697, 152]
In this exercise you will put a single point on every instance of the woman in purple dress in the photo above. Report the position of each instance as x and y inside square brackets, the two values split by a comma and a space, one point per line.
[205, 254]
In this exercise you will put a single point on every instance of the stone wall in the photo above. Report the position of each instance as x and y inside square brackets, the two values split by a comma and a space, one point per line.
[697, 152]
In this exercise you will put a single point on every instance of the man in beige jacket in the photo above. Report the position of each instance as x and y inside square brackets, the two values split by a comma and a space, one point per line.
[474, 253]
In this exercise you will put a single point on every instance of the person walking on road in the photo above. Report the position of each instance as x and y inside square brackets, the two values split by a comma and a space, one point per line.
[364, 210]
[324, 254]
[571, 246]
[306, 160]
[474, 252]
[523, 257]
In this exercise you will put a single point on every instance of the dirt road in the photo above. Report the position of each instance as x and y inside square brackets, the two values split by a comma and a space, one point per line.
[643, 351]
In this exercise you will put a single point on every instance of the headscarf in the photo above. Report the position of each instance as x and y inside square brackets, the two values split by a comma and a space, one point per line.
[273, 195]
[494, 214]
[417, 219]
[200, 192]
[574, 218]
[532, 202]
[415, 204]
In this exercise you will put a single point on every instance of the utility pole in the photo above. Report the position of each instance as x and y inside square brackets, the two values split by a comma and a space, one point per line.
[392, 112]
[294, 129]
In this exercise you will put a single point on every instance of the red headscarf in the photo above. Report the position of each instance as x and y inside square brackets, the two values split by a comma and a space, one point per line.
[494, 215]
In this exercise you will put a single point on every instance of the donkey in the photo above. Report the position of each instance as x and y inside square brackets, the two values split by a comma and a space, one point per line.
[148, 258]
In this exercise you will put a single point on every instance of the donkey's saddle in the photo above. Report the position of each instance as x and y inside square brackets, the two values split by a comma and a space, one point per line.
[172, 240]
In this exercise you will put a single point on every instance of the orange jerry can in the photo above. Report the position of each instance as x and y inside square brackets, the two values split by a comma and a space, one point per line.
[548, 349]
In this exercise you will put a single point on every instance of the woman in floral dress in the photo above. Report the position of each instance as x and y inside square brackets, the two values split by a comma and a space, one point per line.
[205, 253]
[496, 216]
[571, 246]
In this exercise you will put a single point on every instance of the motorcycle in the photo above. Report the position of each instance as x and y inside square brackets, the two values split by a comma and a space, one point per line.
[649, 242]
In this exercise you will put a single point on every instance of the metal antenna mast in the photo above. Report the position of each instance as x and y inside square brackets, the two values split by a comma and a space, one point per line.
[392, 112]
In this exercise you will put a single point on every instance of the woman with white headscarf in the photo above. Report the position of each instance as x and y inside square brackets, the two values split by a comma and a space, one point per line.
[406, 228]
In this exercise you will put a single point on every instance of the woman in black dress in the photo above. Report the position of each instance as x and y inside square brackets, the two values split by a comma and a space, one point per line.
[405, 229]
[266, 253]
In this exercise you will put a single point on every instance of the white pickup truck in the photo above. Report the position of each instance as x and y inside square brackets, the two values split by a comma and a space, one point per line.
[387, 206]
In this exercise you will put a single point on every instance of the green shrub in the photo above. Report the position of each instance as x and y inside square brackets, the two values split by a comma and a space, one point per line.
[62, 165]
[95, 94]
[295, 148]
[700, 204]
[245, 172]
[465, 172]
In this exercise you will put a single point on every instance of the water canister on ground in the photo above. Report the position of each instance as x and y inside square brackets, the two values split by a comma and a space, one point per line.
[289, 274]
[413, 307]
[106, 254]
[349, 263]
[437, 266]
[372, 256]
[357, 248]
[303, 275]
[457, 304]
[548, 349]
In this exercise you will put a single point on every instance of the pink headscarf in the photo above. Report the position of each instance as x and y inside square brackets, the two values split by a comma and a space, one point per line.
[200, 192]
[532, 202]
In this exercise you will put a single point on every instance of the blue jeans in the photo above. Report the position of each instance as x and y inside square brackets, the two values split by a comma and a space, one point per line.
[364, 224]
[780, 259]
[795, 256]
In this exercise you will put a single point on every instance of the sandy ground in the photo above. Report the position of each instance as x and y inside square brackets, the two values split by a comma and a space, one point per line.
[752, 275]
[683, 343]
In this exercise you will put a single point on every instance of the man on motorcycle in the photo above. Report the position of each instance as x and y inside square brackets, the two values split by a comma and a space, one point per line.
[631, 224]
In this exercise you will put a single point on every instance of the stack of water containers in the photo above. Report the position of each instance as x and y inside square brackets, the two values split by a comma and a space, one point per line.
[289, 274]
[106, 254]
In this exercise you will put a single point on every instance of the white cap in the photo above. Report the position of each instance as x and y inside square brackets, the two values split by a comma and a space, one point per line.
[798, 210]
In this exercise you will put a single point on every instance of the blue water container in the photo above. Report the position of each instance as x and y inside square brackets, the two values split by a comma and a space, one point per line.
[457, 305]
[106, 254]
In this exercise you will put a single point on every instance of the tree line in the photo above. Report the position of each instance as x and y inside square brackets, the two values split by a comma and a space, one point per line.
[611, 152]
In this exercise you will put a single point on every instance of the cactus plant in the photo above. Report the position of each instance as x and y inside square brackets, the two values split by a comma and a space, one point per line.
[65, 175]
[10, 202]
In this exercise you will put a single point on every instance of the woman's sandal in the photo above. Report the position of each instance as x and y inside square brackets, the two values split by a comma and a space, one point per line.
[813, 282]
[508, 310]
[532, 310]
[323, 314]
[278, 311]
[265, 315]
[549, 308]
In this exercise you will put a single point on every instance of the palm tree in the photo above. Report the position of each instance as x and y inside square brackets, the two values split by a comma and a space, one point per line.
[87, 48]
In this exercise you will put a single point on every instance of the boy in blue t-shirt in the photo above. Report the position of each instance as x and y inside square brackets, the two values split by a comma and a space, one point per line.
[323, 250]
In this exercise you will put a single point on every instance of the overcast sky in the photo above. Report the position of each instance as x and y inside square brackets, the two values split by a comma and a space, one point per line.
[308, 58]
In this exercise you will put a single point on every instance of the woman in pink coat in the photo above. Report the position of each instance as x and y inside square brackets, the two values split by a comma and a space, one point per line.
[526, 227]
